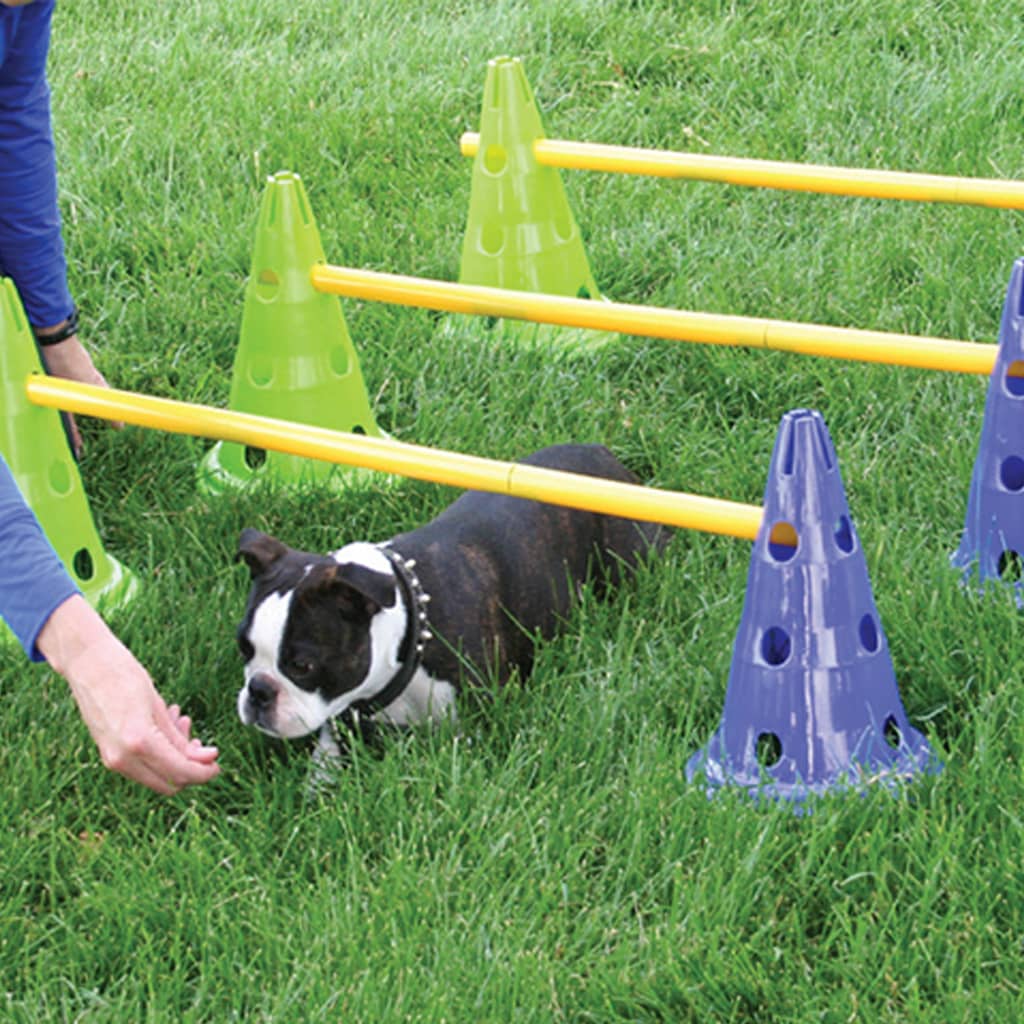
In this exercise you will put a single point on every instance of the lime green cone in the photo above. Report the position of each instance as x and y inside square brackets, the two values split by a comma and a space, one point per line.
[295, 359]
[521, 233]
[33, 443]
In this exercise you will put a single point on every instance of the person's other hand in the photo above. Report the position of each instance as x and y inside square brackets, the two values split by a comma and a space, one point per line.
[137, 734]
[69, 360]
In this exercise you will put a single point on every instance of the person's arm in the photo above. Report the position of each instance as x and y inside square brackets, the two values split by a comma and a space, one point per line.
[33, 580]
[31, 242]
[136, 733]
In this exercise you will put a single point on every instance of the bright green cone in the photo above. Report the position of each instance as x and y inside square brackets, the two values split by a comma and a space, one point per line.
[33, 443]
[521, 233]
[295, 359]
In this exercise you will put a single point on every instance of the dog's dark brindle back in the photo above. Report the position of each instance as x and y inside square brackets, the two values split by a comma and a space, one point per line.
[510, 568]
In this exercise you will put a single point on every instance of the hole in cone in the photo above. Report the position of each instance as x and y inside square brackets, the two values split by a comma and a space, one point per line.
[60, 477]
[775, 646]
[823, 445]
[788, 462]
[782, 541]
[340, 361]
[844, 535]
[82, 564]
[492, 239]
[1015, 378]
[495, 159]
[1011, 473]
[302, 201]
[1011, 566]
[261, 372]
[267, 283]
[868, 634]
[768, 749]
[565, 228]
[255, 457]
[891, 731]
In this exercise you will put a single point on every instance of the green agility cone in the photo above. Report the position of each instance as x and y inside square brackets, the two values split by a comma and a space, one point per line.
[33, 443]
[295, 359]
[521, 233]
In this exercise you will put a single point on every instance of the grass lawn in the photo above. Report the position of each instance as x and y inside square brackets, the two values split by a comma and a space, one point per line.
[549, 862]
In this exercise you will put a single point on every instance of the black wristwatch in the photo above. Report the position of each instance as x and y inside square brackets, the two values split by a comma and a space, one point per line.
[62, 333]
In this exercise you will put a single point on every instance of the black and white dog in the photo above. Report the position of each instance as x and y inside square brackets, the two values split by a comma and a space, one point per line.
[389, 632]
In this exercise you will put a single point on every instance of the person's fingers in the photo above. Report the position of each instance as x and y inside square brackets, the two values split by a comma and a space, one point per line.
[163, 768]
[177, 769]
[204, 752]
[74, 436]
[164, 759]
[145, 776]
[177, 727]
[180, 721]
[136, 766]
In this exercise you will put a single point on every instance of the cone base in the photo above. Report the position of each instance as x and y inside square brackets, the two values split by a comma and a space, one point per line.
[522, 334]
[224, 470]
[120, 588]
[875, 764]
[977, 579]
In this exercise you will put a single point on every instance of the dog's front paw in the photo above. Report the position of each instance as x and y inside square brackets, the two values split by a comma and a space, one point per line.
[326, 763]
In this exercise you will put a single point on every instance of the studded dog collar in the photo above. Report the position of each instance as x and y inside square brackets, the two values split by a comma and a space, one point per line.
[410, 653]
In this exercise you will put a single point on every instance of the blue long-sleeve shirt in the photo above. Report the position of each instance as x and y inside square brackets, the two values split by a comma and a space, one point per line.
[31, 243]
[33, 580]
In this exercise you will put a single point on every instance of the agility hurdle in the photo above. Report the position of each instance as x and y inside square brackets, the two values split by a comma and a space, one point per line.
[783, 175]
[807, 566]
[677, 325]
[434, 465]
[521, 233]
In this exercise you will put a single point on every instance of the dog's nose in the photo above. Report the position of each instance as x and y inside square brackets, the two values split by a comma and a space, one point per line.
[261, 692]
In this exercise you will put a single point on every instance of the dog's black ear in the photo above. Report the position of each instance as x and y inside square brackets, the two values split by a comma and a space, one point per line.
[258, 550]
[375, 587]
[357, 591]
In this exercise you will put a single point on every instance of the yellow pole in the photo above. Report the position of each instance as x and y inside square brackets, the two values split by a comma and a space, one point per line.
[678, 325]
[794, 177]
[593, 494]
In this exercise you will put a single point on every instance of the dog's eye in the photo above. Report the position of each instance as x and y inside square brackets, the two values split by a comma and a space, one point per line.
[300, 667]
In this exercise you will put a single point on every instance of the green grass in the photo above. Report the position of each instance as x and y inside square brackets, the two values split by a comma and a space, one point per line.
[550, 863]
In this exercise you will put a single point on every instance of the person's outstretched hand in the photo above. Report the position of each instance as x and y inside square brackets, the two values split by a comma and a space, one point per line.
[137, 734]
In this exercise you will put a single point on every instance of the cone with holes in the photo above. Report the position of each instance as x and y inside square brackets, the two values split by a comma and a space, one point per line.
[521, 233]
[992, 544]
[812, 703]
[295, 360]
[34, 445]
